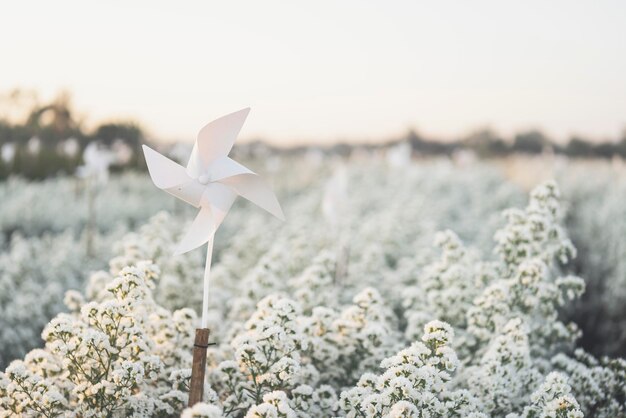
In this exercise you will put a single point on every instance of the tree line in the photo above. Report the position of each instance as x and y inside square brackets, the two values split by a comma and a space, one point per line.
[51, 139]
[488, 144]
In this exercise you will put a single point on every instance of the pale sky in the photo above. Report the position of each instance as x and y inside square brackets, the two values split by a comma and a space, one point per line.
[320, 71]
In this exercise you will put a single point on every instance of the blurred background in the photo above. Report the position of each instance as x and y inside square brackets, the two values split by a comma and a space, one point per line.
[489, 77]
[499, 94]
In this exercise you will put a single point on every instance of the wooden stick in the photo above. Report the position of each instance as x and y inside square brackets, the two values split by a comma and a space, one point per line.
[198, 368]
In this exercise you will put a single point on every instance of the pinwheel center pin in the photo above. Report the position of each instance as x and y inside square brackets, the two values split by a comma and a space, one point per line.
[204, 179]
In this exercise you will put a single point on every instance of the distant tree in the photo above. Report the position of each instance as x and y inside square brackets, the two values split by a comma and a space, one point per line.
[128, 132]
[620, 146]
[605, 149]
[15, 103]
[53, 124]
[8, 133]
[341, 149]
[55, 119]
[414, 139]
[531, 142]
[430, 147]
[579, 147]
[486, 143]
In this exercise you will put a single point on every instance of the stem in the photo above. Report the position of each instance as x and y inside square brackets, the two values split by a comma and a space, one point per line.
[207, 271]
[91, 217]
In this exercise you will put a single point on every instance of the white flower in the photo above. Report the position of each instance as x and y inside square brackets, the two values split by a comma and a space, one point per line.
[202, 410]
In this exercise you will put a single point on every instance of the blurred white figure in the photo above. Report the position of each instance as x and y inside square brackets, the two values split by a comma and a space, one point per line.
[464, 157]
[122, 151]
[94, 171]
[97, 161]
[334, 201]
[272, 164]
[399, 155]
[560, 164]
[314, 156]
[334, 208]
[70, 147]
[362, 155]
[33, 146]
[8, 152]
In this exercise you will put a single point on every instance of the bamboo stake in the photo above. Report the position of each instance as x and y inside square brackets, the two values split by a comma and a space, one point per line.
[198, 368]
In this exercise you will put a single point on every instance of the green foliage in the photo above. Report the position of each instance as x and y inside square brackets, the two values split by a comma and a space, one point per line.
[52, 125]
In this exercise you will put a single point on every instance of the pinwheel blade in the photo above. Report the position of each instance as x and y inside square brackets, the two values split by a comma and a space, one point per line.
[219, 198]
[226, 167]
[190, 191]
[172, 177]
[195, 166]
[256, 190]
[200, 231]
[215, 140]
[164, 172]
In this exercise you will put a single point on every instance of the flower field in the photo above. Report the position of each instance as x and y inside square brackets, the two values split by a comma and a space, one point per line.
[427, 289]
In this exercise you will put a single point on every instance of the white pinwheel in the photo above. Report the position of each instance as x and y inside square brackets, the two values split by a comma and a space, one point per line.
[211, 182]
[97, 160]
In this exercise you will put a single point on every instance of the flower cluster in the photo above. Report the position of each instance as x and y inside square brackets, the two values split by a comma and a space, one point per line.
[115, 356]
[535, 232]
[446, 288]
[530, 245]
[416, 382]
[307, 317]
